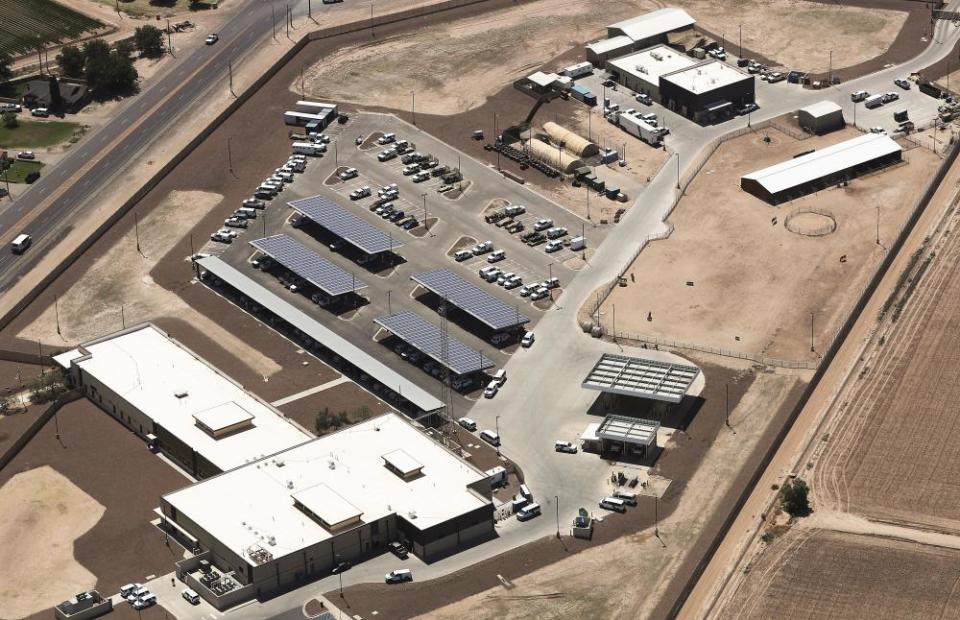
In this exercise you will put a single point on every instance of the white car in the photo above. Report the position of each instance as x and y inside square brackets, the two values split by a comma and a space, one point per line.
[497, 256]
[467, 423]
[527, 341]
[348, 174]
[399, 575]
[359, 193]
[26, 155]
[491, 390]
[482, 248]
[211, 39]
[553, 246]
[565, 446]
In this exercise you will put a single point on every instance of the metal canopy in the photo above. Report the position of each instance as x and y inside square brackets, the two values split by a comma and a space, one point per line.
[628, 430]
[357, 232]
[309, 265]
[427, 337]
[318, 332]
[644, 378]
[471, 299]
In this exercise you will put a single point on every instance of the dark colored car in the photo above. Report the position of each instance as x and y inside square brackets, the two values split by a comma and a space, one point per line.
[398, 550]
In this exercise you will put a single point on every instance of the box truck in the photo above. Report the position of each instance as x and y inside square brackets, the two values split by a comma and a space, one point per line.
[308, 148]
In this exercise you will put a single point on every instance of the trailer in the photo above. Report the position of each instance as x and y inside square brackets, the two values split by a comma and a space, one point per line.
[873, 101]
[315, 107]
[578, 70]
[300, 119]
[578, 243]
[639, 128]
[308, 148]
[580, 93]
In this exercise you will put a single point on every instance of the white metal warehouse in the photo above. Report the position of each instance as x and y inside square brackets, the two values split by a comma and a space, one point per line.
[820, 169]
[289, 518]
[637, 33]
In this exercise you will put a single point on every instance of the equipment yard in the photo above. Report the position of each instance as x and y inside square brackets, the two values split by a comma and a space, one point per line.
[740, 275]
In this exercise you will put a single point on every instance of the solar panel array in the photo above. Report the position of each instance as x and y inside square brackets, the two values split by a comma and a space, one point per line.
[645, 378]
[471, 299]
[344, 224]
[309, 265]
[428, 338]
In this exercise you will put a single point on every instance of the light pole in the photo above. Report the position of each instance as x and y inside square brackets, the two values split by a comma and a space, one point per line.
[740, 41]
[389, 310]
[878, 224]
[496, 422]
[557, 498]
[678, 170]
[413, 106]
[811, 332]
[426, 224]
[336, 557]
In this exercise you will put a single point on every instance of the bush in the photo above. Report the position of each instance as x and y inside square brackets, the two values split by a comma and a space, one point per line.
[794, 497]
[10, 120]
[5, 71]
[47, 387]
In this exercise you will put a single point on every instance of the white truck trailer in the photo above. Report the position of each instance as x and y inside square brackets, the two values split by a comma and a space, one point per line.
[635, 126]
[300, 119]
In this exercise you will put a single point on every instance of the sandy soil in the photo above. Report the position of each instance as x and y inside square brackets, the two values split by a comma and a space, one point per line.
[468, 64]
[583, 580]
[753, 282]
[120, 279]
[42, 513]
[916, 370]
[823, 574]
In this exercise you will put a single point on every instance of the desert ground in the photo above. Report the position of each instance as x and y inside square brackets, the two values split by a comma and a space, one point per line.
[905, 397]
[733, 276]
[42, 513]
[467, 63]
[824, 574]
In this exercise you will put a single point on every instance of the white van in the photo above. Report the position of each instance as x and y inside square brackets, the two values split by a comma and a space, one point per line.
[500, 377]
[145, 601]
[308, 148]
[873, 101]
[21, 243]
[467, 423]
[528, 512]
[578, 243]
[629, 497]
[191, 596]
[613, 503]
[490, 437]
[525, 491]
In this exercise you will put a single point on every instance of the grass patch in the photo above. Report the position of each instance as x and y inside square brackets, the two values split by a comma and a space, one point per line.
[34, 134]
[19, 169]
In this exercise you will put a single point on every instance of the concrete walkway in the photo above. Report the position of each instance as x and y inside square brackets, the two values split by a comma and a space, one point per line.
[310, 391]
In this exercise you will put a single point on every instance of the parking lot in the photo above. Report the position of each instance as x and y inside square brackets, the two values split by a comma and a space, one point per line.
[445, 222]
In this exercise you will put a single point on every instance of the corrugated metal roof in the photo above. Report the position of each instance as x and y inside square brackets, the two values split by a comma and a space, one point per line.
[331, 340]
[822, 108]
[653, 23]
[609, 45]
[819, 164]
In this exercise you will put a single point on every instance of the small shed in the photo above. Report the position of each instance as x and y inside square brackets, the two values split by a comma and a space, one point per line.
[821, 117]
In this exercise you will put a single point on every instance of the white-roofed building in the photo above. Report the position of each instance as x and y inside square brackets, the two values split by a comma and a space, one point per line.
[289, 518]
[638, 33]
[641, 71]
[821, 117]
[822, 168]
[707, 91]
[177, 401]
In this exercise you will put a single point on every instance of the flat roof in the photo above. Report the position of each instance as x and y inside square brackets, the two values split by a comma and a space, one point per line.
[471, 299]
[309, 265]
[640, 377]
[543, 79]
[826, 161]
[175, 388]
[628, 430]
[707, 76]
[402, 462]
[653, 23]
[428, 338]
[822, 108]
[609, 45]
[351, 228]
[254, 506]
[649, 64]
[409, 390]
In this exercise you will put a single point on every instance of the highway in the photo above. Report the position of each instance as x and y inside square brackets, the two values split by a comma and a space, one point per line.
[102, 155]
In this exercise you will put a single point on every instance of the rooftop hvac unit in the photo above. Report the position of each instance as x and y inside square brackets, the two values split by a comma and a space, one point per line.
[642, 69]
[656, 55]
[181, 394]
[279, 462]
[289, 484]
[332, 464]
[412, 514]
[272, 540]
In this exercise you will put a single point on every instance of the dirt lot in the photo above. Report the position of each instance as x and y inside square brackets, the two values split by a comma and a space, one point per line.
[865, 468]
[344, 397]
[41, 515]
[823, 574]
[469, 65]
[111, 469]
[733, 276]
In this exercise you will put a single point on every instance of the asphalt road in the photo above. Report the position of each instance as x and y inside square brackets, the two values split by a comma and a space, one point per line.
[139, 121]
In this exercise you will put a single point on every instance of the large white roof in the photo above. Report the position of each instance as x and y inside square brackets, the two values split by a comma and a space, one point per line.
[609, 45]
[653, 23]
[707, 76]
[650, 64]
[176, 389]
[823, 162]
[821, 108]
[338, 477]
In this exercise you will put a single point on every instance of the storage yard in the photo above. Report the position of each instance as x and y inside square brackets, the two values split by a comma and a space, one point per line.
[731, 251]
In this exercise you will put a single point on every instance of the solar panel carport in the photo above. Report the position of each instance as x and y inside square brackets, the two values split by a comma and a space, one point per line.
[479, 304]
[639, 377]
[356, 231]
[309, 265]
[428, 338]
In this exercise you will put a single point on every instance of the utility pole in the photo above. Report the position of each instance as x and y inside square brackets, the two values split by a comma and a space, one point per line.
[230, 156]
[372, 32]
[286, 16]
[727, 405]
[56, 310]
[273, 15]
[309, 9]
[413, 106]
[878, 224]
[230, 72]
[136, 232]
[389, 307]
[426, 224]
[740, 41]
[557, 498]
[811, 332]
[169, 38]
[678, 170]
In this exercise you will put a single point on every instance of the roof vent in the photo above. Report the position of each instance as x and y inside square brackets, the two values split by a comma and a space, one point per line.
[181, 394]
[289, 484]
[332, 464]
[272, 540]
[412, 514]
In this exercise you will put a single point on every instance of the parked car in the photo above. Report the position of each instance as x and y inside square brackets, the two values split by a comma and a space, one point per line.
[565, 446]
[398, 550]
[341, 567]
[360, 192]
[348, 174]
[411, 224]
[467, 423]
[527, 341]
[26, 155]
[420, 177]
[644, 99]
[747, 108]
[40, 112]
[399, 575]
[410, 169]
[462, 255]
[902, 83]
[491, 390]
[387, 138]
[888, 97]
[497, 256]
[253, 203]
[235, 222]
[858, 96]
[387, 154]
[553, 246]
[482, 248]
[542, 224]
[191, 596]
[212, 38]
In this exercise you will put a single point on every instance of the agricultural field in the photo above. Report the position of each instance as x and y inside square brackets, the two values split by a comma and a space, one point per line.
[824, 574]
[894, 453]
[26, 23]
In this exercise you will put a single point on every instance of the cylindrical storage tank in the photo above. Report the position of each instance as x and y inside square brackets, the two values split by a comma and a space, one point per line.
[561, 160]
[576, 144]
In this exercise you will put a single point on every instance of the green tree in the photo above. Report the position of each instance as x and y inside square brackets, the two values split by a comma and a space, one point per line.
[10, 120]
[72, 61]
[125, 47]
[6, 72]
[794, 497]
[148, 41]
[47, 387]
[108, 72]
